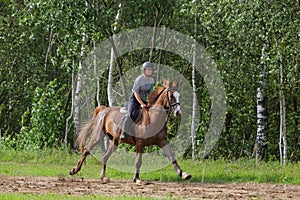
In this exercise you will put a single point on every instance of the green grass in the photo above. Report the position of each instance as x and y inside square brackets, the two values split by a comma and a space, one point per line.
[59, 162]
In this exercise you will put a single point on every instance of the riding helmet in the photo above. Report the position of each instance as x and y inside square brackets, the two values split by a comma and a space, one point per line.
[147, 65]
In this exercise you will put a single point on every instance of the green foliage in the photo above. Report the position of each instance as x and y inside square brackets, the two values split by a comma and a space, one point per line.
[43, 40]
[43, 125]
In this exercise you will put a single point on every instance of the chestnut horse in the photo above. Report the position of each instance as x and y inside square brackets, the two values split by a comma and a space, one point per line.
[150, 130]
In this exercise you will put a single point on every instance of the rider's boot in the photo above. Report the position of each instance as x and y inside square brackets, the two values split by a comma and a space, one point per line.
[126, 127]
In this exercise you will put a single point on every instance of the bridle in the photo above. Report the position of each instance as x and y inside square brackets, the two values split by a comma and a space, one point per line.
[171, 105]
[168, 99]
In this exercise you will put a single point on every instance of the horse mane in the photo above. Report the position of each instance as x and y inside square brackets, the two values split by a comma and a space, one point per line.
[154, 95]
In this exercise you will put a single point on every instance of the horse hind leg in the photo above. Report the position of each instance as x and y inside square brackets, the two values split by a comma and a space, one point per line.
[94, 141]
[77, 168]
[111, 148]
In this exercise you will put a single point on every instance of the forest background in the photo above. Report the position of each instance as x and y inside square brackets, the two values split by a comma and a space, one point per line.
[255, 45]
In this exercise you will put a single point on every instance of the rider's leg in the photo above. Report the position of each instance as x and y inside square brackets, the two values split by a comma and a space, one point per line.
[126, 126]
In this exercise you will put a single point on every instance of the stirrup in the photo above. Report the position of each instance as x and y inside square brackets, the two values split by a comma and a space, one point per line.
[123, 136]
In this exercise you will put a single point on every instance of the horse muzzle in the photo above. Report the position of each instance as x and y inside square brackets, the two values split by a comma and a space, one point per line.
[177, 112]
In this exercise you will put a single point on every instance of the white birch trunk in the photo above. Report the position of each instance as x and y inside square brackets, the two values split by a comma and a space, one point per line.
[193, 126]
[110, 80]
[110, 92]
[260, 145]
[72, 106]
[96, 76]
[158, 71]
[283, 155]
[77, 102]
[153, 41]
[282, 108]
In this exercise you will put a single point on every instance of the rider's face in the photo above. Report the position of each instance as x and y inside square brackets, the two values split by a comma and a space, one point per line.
[148, 72]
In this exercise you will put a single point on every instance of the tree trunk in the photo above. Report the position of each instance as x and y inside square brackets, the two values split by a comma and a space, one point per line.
[113, 57]
[96, 77]
[193, 126]
[283, 157]
[72, 106]
[261, 134]
[282, 108]
[77, 102]
[153, 41]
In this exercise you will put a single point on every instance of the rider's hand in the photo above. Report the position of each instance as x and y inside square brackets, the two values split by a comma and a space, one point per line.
[143, 105]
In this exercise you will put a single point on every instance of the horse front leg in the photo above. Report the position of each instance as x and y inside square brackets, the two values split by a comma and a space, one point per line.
[167, 150]
[138, 164]
[138, 161]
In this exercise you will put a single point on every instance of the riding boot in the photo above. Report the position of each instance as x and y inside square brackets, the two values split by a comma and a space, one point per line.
[127, 127]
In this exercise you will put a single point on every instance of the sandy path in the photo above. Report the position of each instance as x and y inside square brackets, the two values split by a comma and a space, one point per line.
[116, 187]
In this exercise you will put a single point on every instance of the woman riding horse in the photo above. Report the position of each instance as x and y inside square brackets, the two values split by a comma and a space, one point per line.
[143, 86]
[150, 130]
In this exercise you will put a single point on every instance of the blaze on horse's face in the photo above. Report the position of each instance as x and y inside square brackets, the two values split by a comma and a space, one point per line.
[173, 102]
[177, 110]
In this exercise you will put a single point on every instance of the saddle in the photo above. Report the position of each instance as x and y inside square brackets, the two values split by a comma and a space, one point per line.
[118, 119]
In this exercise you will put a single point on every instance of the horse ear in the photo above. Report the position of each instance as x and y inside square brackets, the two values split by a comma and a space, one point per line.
[176, 84]
[166, 83]
[179, 83]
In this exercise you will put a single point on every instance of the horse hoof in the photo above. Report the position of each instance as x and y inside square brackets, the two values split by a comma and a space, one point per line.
[137, 180]
[186, 176]
[105, 180]
[72, 172]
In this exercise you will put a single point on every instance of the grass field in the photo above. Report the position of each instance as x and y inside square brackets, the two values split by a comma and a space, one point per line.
[57, 163]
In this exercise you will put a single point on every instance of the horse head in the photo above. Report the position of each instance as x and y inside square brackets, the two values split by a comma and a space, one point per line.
[171, 101]
[172, 95]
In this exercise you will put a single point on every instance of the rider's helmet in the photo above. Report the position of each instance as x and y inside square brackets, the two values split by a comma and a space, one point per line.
[147, 65]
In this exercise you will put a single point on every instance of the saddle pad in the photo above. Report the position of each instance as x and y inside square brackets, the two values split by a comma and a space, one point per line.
[123, 110]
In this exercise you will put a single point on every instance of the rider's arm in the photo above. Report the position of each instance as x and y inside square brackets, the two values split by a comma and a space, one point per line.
[138, 98]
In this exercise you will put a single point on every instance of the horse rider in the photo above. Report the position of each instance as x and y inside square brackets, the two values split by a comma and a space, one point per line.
[142, 88]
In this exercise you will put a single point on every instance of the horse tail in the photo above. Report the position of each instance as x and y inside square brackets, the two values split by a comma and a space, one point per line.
[87, 129]
[84, 133]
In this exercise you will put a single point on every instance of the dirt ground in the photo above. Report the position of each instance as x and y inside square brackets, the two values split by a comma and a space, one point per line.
[115, 187]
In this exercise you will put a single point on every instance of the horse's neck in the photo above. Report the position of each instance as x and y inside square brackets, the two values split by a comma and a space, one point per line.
[157, 111]
[158, 103]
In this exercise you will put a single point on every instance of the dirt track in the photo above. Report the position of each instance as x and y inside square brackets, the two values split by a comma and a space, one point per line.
[72, 186]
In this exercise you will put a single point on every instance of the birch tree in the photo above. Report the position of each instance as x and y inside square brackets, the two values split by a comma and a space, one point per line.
[282, 110]
[113, 57]
[193, 125]
[261, 133]
[77, 101]
[79, 81]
